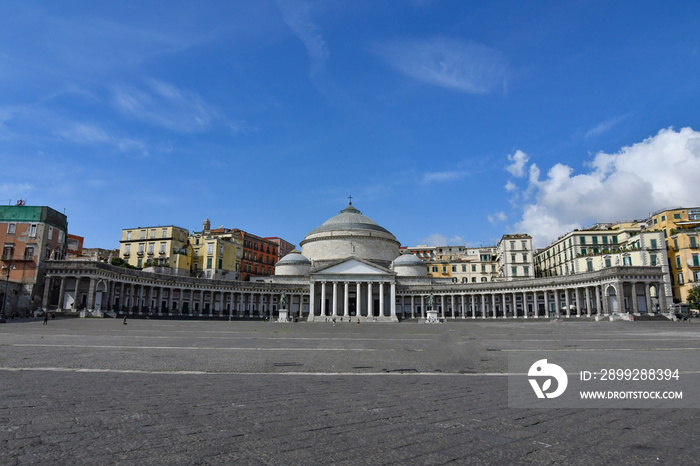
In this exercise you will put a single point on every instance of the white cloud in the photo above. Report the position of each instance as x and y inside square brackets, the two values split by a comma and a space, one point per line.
[441, 176]
[517, 167]
[659, 172]
[605, 126]
[437, 239]
[88, 134]
[165, 105]
[497, 217]
[296, 15]
[458, 66]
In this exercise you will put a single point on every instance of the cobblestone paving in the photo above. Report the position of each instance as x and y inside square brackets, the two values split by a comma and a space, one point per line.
[94, 391]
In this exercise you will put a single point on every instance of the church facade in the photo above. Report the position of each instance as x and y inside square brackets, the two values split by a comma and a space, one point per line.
[351, 268]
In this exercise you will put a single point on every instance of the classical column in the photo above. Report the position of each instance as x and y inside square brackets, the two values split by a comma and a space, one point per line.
[358, 301]
[312, 309]
[633, 290]
[524, 305]
[464, 305]
[482, 297]
[381, 299]
[413, 307]
[472, 305]
[335, 299]
[370, 309]
[556, 302]
[346, 299]
[392, 301]
[442, 306]
[647, 295]
[493, 305]
[422, 306]
[323, 299]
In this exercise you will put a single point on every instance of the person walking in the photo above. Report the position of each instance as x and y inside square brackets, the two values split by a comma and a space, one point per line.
[46, 318]
[124, 321]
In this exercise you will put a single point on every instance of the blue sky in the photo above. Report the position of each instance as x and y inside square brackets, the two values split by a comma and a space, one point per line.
[447, 121]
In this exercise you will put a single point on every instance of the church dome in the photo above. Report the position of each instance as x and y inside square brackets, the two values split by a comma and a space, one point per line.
[350, 234]
[293, 263]
[408, 265]
[349, 219]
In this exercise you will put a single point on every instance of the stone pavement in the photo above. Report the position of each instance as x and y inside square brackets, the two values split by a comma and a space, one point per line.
[94, 391]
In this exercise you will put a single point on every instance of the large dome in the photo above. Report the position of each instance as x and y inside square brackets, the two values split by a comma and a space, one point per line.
[349, 219]
[350, 234]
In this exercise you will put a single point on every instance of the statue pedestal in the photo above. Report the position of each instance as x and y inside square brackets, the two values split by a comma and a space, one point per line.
[432, 317]
[283, 315]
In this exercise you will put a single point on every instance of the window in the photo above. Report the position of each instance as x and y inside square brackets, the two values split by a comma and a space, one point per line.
[583, 240]
[210, 248]
[464, 268]
[128, 235]
[196, 253]
[608, 263]
[11, 227]
[209, 262]
[653, 259]
[150, 248]
[693, 242]
[484, 279]
[434, 268]
[678, 262]
[139, 263]
[524, 257]
[583, 251]
[143, 234]
[512, 245]
[696, 260]
[8, 252]
[512, 258]
[153, 233]
[675, 243]
[514, 271]
[627, 260]
[653, 244]
[524, 244]
[483, 268]
[614, 239]
[526, 270]
[473, 268]
[680, 278]
[464, 279]
[164, 233]
[162, 248]
[454, 268]
[589, 265]
[663, 218]
[50, 233]
[605, 240]
[29, 253]
[696, 275]
[32, 230]
[221, 249]
[595, 240]
[140, 248]
[444, 269]
[47, 254]
[127, 249]
[473, 279]
[677, 216]
[221, 263]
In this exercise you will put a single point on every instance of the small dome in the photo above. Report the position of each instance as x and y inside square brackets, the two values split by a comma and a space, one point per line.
[293, 258]
[408, 259]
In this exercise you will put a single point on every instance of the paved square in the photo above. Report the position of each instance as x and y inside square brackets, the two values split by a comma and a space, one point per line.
[95, 391]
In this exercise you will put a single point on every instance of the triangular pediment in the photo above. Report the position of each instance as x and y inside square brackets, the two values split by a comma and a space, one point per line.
[352, 267]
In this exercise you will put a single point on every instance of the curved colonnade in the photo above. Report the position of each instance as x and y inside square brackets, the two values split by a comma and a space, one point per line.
[76, 285]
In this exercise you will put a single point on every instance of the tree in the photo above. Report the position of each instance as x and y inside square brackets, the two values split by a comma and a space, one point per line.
[694, 298]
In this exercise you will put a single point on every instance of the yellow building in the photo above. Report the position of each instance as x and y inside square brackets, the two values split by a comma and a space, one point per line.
[681, 227]
[161, 246]
[216, 253]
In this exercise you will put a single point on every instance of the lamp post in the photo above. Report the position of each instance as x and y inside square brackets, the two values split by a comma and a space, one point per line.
[7, 284]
